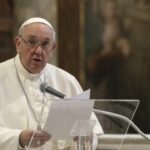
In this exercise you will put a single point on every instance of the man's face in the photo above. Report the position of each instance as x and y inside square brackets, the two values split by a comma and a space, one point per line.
[35, 46]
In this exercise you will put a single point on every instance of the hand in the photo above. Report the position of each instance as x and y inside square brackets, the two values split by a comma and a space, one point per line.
[40, 137]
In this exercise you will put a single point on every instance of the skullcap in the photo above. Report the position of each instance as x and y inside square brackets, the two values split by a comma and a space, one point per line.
[36, 20]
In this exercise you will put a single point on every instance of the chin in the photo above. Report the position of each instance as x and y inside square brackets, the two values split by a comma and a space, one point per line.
[35, 70]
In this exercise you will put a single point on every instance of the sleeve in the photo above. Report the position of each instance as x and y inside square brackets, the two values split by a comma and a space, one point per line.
[9, 139]
[96, 131]
[75, 87]
[97, 128]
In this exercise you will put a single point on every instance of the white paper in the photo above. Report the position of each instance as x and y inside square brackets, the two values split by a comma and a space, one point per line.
[82, 96]
[63, 114]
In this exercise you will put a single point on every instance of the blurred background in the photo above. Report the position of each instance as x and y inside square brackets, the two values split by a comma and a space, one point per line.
[105, 44]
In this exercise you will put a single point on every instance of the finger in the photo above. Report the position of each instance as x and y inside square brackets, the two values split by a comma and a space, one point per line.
[42, 135]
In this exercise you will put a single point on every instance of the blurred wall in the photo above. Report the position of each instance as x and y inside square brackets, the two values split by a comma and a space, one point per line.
[6, 29]
[118, 52]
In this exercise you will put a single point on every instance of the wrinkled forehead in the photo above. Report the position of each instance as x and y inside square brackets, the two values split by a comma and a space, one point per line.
[36, 28]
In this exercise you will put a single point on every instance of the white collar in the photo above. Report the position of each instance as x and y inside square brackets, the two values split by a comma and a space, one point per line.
[20, 68]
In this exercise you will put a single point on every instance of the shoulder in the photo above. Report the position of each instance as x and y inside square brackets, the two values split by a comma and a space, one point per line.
[62, 80]
[58, 72]
[6, 67]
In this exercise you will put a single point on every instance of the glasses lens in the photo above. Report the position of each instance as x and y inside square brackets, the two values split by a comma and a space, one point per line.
[32, 43]
[45, 45]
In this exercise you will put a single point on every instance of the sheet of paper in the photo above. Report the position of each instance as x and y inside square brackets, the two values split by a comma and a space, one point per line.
[85, 95]
[63, 115]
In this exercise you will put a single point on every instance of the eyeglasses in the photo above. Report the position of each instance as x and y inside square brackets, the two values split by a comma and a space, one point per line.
[33, 43]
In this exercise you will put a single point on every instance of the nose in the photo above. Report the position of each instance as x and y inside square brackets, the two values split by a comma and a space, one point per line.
[38, 49]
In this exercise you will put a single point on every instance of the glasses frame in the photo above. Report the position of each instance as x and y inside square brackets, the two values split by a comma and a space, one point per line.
[36, 44]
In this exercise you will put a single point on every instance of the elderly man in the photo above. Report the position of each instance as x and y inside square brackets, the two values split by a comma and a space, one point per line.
[23, 109]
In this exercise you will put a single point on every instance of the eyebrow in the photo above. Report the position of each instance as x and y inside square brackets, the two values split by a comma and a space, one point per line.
[33, 36]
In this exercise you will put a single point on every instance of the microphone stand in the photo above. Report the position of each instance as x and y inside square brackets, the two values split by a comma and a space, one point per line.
[124, 119]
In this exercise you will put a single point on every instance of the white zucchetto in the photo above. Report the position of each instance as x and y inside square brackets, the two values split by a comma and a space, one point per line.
[36, 20]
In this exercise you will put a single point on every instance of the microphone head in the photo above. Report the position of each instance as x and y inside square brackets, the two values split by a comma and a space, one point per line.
[43, 86]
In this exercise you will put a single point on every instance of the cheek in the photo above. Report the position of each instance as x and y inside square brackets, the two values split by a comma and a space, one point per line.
[25, 55]
[49, 55]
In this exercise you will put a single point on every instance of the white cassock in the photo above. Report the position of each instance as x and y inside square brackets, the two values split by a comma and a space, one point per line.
[21, 99]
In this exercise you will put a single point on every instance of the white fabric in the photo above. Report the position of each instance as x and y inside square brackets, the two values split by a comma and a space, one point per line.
[15, 114]
[36, 20]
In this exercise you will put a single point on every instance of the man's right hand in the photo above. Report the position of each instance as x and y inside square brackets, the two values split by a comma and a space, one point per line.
[39, 138]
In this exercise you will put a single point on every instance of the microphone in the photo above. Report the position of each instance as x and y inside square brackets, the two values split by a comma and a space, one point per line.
[44, 87]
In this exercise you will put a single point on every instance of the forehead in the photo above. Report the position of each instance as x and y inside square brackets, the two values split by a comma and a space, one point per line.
[37, 30]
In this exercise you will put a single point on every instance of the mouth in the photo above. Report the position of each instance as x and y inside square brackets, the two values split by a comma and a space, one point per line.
[37, 60]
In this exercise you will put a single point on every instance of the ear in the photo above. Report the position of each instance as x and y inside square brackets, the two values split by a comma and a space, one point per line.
[54, 46]
[17, 43]
[52, 50]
